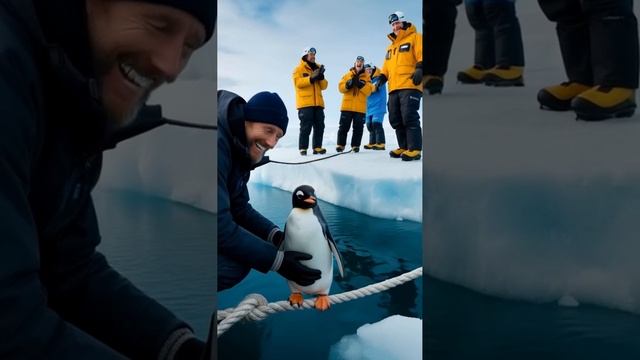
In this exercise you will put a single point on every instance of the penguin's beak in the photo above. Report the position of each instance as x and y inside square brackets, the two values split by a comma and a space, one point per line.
[310, 200]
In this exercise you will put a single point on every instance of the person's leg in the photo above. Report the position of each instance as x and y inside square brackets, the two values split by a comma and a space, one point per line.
[343, 129]
[379, 132]
[395, 120]
[409, 105]
[306, 122]
[572, 28]
[509, 51]
[613, 30]
[230, 272]
[372, 131]
[318, 130]
[439, 28]
[358, 128]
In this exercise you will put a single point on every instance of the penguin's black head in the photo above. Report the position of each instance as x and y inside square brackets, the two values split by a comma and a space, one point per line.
[304, 197]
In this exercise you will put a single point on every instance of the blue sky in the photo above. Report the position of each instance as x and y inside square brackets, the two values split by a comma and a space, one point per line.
[260, 43]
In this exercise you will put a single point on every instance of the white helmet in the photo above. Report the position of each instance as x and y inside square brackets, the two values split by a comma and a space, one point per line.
[308, 50]
[396, 16]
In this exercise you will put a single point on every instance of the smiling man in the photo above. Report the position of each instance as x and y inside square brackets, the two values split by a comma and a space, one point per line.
[246, 239]
[74, 74]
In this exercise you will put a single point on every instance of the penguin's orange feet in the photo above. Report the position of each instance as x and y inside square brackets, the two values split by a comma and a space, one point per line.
[296, 299]
[322, 302]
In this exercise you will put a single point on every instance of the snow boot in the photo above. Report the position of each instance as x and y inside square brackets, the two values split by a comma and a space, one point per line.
[355, 149]
[396, 153]
[303, 152]
[472, 75]
[378, 147]
[411, 155]
[558, 97]
[319, 150]
[604, 102]
[369, 146]
[504, 76]
[433, 84]
[340, 148]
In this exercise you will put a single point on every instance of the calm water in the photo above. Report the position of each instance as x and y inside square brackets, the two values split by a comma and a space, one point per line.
[463, 324]
[165, 248]
[373, 250]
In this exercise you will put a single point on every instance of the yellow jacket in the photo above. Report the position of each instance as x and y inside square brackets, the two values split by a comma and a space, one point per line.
[401, 58]
[355, 99]
[307, 93]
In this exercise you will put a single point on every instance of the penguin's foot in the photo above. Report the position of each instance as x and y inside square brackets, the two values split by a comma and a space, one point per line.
[296, 299]
[322, 302]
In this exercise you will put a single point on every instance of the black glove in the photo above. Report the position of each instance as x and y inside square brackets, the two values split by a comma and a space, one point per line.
[292, 269]
[321, 69]
[278, 238]
[416, 78]
[320, 77]
[349, 84]
[382, 80]
[360, 84]
[314, 75]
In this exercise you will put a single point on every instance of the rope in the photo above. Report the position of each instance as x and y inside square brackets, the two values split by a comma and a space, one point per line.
[255, 306]
[309, 161]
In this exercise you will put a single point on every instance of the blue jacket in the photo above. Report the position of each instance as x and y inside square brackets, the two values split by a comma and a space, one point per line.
[59, 298]
[244, 235]
[377, 101]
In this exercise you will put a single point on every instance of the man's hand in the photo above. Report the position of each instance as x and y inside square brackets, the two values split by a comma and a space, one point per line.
[315, 74]
[292, 269]
[349, 84]
[360, 84]
[416, 78]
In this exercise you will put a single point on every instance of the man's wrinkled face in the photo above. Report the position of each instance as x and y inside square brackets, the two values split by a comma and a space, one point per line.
[396, 26]
[311, 57]
[260, 138]
[137, 47]
[359, 64]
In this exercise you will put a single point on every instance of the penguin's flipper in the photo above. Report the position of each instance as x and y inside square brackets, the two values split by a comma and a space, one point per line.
[281, 247]
[327, 234]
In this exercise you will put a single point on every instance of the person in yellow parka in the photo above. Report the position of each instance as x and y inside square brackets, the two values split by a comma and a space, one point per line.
[403, 69]
[355, 86]
[309, 82]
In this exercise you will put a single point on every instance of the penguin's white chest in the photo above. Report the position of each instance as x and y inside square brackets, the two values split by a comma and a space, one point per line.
[304, 234]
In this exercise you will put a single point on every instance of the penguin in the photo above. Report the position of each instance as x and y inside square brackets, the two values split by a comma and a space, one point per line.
[307, 231]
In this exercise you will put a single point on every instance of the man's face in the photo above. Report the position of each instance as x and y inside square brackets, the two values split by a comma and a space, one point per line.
[137, 47]
[359, 64]
[368, 70]
[396, 26]
[260, 138]
[311, 57]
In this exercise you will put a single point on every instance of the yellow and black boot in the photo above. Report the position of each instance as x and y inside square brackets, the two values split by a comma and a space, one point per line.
[604, 102]
[397, 153]
[504, 76]
[339, 148]
[319, 150]
[433, 84]
[558, 97]
[472, 75]
[411, 155]
[355, 149]
[378, 147]
[369, 146]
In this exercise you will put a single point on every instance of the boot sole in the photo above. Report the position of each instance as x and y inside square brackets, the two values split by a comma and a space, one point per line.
[404, 158]
[605, 116]
[499, 82]
[466, 79]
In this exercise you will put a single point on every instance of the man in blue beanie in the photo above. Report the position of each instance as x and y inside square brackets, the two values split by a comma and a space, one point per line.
[74, 77]
[246, 239]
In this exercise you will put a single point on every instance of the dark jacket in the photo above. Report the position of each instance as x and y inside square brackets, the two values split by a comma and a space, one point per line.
[59, 298]
[244, 235]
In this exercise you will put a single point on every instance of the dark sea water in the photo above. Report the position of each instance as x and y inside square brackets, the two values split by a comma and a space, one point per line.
[373, 250]
[167, 249]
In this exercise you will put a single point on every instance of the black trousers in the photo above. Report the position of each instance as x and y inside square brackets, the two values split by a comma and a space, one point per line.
[230, 272]
[404, 117]
[598, 40]
[346, 119]
[498, 34]
[311, 117]
[439, 27]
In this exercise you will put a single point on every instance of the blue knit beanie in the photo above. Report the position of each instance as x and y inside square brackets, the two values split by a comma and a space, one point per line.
[267, 107]
[203, 10]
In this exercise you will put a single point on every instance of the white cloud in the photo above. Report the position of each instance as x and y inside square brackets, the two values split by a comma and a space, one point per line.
[259, 47]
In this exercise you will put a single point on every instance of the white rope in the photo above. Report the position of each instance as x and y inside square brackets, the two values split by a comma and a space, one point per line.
[255, 306]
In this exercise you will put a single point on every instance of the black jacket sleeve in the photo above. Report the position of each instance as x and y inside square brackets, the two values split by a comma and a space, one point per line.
[235, 217]
[29, 328]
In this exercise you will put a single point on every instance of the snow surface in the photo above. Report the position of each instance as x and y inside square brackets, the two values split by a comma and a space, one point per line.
[395, 337]
[524, 203]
